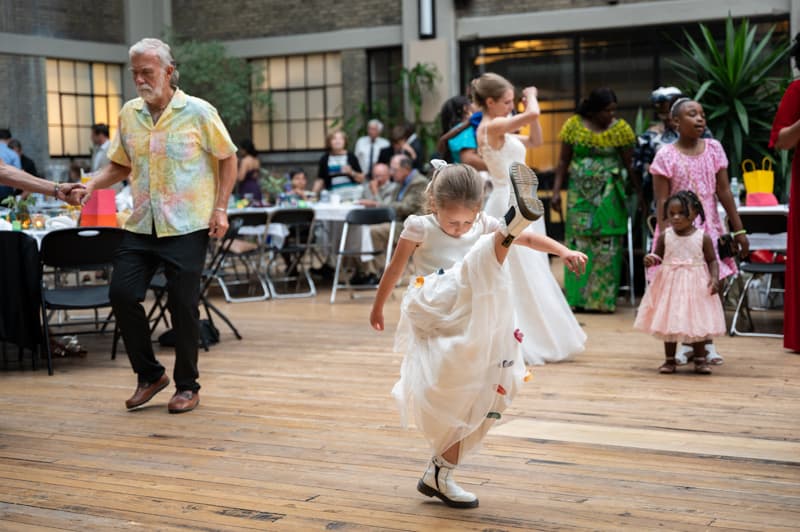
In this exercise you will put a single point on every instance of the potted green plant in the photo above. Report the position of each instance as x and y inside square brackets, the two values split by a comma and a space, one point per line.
[208, 72]
[418, 80]
[737, 86]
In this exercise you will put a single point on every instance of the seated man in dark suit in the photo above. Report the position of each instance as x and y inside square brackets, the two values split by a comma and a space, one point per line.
[409, 198]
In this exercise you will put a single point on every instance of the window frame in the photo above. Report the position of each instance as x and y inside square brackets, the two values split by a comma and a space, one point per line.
[61, 93]
[330, 116]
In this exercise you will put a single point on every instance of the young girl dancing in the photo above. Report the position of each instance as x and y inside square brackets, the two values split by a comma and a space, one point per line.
[462, 363]
[680, 304]
[700, 165]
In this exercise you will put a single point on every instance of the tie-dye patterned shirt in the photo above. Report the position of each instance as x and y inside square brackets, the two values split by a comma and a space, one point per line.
[174, 163]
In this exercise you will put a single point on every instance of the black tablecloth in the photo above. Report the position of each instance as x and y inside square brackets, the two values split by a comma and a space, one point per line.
[20, 299]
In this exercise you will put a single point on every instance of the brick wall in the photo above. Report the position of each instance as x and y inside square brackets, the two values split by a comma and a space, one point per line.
[23, 108]
[245, 19]
[483, 8]
[83, 20]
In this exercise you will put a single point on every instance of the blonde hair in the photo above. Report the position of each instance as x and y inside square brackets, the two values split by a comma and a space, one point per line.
[329, 138]
[489, 85]
[455, 183]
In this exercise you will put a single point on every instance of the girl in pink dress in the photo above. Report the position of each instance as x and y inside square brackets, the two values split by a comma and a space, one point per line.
[681, 304]
[700, 165]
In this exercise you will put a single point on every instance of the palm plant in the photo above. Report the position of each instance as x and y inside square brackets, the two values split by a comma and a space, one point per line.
[735, 83]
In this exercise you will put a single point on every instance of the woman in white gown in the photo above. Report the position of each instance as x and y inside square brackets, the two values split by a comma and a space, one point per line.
[542, 314]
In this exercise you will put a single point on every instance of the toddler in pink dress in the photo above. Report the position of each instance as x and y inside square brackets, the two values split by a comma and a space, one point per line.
[681, 304]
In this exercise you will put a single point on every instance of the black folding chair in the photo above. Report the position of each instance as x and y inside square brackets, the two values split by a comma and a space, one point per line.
[218, 254]
[245, 260]
[20, 298]
[80, 249]
[766, 231]
[298, 228]
[363, 218]
[218, 258]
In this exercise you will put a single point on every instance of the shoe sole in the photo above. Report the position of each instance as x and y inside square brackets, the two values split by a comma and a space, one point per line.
[526, 185]
[182, 410]
[431, 492]
[137, 405]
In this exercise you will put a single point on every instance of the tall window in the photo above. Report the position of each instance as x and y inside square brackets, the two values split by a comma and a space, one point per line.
[385, 98]
[80, 94]
[306, 92]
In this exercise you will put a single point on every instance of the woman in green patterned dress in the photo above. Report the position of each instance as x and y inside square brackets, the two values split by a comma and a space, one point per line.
[596, 151]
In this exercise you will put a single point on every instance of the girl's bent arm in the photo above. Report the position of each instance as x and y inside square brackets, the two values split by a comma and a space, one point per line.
[499, 126]
[734, 222]
[405, 248]
[441, 144]
[574, 260]
[651, 259]
[661, 193]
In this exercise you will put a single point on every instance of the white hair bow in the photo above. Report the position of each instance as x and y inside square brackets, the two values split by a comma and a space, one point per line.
[438, 164]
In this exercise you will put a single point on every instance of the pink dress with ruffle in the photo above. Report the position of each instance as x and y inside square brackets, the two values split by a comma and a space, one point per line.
[697, 173]
[678, 305]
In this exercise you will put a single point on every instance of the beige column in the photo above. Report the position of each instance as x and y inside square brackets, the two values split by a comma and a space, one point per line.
[441, 51]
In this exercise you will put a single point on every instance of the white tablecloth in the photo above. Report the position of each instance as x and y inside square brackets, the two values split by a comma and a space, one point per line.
[333, 214]
[773, 241]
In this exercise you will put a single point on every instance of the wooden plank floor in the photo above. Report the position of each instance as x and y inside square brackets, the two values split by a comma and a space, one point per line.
[297, 431]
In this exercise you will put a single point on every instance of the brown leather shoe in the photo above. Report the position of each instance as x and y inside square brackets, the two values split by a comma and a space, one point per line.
[145, 391]
[183, 402]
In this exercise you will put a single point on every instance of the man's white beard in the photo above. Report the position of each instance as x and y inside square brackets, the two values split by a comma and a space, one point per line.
[149, 94]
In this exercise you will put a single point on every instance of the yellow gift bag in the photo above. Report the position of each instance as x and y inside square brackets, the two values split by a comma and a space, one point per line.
[758, 180]
[759, 183]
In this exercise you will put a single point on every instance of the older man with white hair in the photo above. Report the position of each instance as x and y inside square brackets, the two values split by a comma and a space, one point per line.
[181, 165]
[369, 146]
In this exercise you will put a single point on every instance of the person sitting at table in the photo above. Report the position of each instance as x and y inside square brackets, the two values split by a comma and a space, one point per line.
[381, 188]
[337, 167]
[409, 198]
[299, 183]
[15, 178]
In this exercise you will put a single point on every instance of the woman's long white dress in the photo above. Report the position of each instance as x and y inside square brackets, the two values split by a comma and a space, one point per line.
[542, 314]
